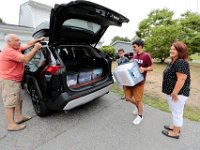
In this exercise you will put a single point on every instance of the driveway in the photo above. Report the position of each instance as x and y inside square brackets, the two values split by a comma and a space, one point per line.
[104, 124]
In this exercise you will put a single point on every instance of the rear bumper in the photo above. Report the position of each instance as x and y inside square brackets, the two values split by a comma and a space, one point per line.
[87, 98]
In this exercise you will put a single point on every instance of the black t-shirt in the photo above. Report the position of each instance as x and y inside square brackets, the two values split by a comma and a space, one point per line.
[170, 78]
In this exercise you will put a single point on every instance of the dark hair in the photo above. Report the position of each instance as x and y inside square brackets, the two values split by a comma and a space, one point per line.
[120, 50]
[181, 49]
[138, 42]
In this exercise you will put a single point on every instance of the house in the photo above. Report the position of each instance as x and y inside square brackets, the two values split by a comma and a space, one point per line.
[24, 32]
[31, 14]
[122, 45]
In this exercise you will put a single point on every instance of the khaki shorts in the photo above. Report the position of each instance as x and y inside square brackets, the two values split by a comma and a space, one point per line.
[10, 92]
[135, 92]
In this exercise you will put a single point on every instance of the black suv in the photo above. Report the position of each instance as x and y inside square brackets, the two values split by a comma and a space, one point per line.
[69, 71]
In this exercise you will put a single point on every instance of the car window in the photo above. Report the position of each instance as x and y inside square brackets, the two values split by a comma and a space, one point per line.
[69, 52]
[37, 61]
[79, 24]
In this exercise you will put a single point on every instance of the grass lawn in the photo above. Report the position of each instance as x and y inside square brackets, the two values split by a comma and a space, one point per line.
[195, 56]
[152, 98]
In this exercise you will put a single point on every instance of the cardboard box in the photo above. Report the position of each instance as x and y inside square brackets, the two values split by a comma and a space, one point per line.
[128, 74]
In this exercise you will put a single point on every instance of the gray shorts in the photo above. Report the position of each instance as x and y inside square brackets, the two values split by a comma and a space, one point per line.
[10, 92]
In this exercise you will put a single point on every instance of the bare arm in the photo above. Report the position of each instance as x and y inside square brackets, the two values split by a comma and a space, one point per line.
[27, 57]
[32, 42]
[179, 84]
[143, 69]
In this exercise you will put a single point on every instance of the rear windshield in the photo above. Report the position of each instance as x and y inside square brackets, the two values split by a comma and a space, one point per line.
[77, 52]
[79, 24]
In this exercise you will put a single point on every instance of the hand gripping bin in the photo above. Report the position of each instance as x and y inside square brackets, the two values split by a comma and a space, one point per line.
[128, 74]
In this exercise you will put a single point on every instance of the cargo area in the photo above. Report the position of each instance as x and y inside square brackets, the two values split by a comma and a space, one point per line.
[84, 65]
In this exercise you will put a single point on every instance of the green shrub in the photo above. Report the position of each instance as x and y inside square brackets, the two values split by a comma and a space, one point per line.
[109, 50]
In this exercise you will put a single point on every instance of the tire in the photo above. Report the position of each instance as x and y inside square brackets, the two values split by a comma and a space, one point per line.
[38, 104]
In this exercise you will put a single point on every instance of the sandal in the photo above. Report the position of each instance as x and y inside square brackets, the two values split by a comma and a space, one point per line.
[168, 128]
[26, 118]
[167, 133]
[17, 127]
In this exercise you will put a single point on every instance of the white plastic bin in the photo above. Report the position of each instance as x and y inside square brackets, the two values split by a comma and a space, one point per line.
[128, 74]
[72, 77]
[97, 72]
[85, 75]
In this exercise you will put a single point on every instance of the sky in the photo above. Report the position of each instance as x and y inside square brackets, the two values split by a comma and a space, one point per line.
[134, 10]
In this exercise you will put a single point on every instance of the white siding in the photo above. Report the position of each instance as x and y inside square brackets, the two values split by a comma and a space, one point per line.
[26, 16]
[39, 16]
[33, 13]
[25, 33]
[122, 45]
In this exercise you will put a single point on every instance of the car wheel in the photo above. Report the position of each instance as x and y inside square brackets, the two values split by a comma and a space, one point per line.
[39, 106]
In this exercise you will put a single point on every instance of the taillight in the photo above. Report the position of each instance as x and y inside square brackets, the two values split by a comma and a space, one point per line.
[52, 70]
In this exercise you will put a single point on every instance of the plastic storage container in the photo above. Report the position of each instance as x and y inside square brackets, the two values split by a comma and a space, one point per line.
[85, 75]
[128, 74]
[72, 78]
[97, 72]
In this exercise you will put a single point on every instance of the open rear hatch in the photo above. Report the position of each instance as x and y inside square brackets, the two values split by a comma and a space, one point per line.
[79, 22]
[82, 24]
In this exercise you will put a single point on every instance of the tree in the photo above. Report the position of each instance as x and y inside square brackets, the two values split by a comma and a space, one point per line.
[159, 43]
[155, 18]
[118, 38]
[109, 50]
[159, 30]
[190, 24]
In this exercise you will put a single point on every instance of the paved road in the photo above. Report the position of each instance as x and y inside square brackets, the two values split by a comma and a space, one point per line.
[104, 124]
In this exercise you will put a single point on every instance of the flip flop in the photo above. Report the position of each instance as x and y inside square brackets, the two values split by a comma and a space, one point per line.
[17, 127]
[26, 118]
